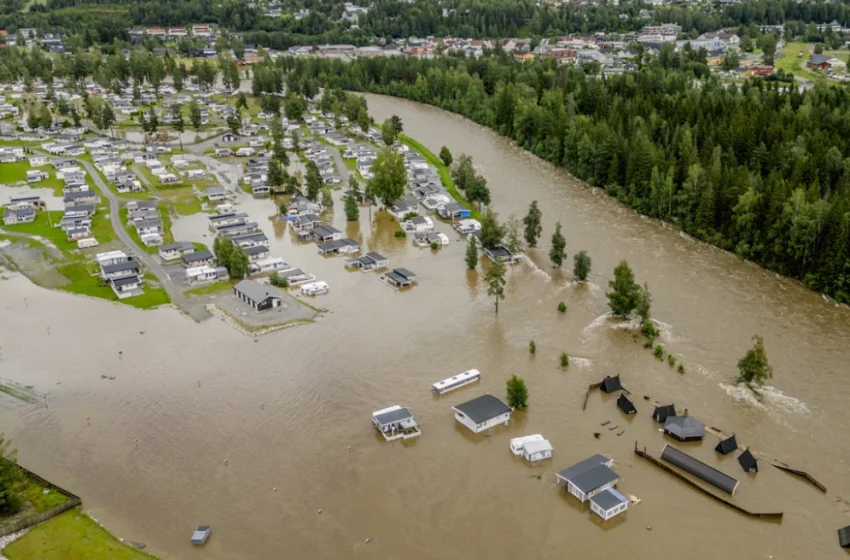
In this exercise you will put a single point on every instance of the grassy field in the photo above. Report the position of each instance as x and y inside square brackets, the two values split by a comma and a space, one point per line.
[71, 536]
[32, 491]
[444, 173]
[210, 289]
[183, 201]
[153, 297]
[41, 227]
[14, 172]
[788, 61]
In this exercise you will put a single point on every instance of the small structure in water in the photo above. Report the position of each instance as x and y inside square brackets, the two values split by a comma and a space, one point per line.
[608, 504]
[610, 384]
[482, 413]
[844, 537]
[396, 422]
[727, 446]
[201, 535]
[532, 448]
[624, 404]
[748, 462]
[684, 428]
[456, 381]
[663, 412]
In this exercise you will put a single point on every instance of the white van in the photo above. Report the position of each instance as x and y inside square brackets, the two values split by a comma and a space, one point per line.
[87, 242]
[315, 288]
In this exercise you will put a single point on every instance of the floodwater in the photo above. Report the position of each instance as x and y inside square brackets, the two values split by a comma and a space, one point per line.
[223, 420]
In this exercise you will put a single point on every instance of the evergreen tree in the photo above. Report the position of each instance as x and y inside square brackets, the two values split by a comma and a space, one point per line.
[107, 118]
[581, 265]
[388, 132]
[471, 253]
[195, 115]
[178, 122]
[491, 231]
[314, 181]
[517, 393]
[558, 253]
[533, 223]
[495, 280]
[446, 156]
[352, 212]
[624, 294]
[327, 199]
[238, 263]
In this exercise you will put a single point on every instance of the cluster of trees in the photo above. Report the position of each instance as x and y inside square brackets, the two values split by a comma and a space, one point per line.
[468, 181]
[756, 169]
[232, 257]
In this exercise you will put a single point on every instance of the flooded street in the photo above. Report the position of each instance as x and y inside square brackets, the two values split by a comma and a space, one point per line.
[291, 410]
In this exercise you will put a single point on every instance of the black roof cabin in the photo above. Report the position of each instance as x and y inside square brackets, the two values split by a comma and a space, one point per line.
[624, 404]
[844, 537]
[661, 413]
[610, 384]
[748, 462]
[727, 446]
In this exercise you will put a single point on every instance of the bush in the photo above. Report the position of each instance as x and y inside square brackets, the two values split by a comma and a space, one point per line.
[278, 281]
[681, 368]
[532, 347]
[562, 307]
[659, 352]
[565, 359]
[671, 360]
[400, 234]
[435, 245]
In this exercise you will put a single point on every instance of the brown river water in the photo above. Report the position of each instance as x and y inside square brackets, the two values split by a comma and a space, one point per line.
[291, 410]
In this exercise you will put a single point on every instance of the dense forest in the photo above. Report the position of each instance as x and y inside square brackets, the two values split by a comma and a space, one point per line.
[105, 20]
[757, 169]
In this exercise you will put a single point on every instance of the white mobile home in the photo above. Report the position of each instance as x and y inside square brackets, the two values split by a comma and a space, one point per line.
[589, 477]
[483, 413]
[396, 422]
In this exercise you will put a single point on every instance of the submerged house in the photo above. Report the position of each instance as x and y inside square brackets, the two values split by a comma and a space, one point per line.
[400, 278]
[699, 469]
[369, 261]
[663, 412]
[748, 462]
[727, 446]
[624, 404]
[844, 537]
[684, 428]
[483, 413]
[589, 477]
[610, 384]
[396, 422]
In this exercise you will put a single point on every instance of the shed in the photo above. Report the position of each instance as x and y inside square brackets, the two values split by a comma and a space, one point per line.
[684, 428]
[256, 295]
[663, 412]
[624, 404]
[844, 537]
[727, 446]
[611, 384]
[748, 462]
[699, 469]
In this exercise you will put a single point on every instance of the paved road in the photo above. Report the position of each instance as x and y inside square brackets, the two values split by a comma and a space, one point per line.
[175, 291]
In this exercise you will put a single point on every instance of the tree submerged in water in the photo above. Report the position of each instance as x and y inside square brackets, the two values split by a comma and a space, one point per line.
[754, 367]
[517, 392]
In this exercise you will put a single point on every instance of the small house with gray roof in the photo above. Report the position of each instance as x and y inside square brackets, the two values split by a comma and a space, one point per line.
[256, 295]
[589, 477]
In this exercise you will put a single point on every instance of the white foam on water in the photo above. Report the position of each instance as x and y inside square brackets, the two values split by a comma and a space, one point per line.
[666, 331]
[580, 362]
[633, 323]
[536, 270]
[4, 243]
[596, 323]
[767, 398]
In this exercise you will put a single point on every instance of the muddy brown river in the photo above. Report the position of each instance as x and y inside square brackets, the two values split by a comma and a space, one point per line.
[291, 410]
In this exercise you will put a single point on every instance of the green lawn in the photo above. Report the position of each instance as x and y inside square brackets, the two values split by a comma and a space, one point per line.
[85, 281]
[14, 172]
[184, 201]
[210, 289]
[71, 536]
[788, 61]
[443, 171]
[199, 246]
[153, 297]
[41, 227]
[32, 491]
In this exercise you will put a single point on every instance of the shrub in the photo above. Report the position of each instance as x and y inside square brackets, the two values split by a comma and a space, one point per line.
[532, 347]
[400, 234]
[435, 245]
[659, 352]
[278, 281]
[562, 307]
[681, 368]
[517, 392]
[565, 359]
[671, 359]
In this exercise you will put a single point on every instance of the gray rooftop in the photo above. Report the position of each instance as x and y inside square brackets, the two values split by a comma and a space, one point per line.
[608, 499]
[198, 256]
[684, 427]
[590, 480]
[483, 408]
[178, 246]
[132, 279]
[120, 267]
[394, 416]
[253, 291]
[586, 465]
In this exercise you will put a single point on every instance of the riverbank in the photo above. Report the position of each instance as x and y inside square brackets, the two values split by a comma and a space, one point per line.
[71, 535]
